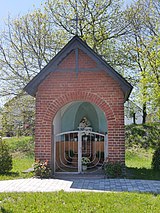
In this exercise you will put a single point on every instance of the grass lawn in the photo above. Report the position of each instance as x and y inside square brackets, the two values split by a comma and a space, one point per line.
[20, 163]
[138, 162]
[79, 202]
[22, 155]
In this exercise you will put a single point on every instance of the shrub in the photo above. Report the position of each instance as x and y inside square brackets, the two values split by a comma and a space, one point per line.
[156, 159]
[145, 136]
[113, 169]
[42, 169]
[5, 158]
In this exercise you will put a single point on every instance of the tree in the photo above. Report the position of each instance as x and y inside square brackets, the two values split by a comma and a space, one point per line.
[25, 47]
[5, 158]
[18, 116]
[142, 46]
[99, 23]
[152, 80]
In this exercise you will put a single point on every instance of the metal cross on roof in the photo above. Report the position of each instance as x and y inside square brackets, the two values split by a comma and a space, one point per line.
[76, 23]
[77, 18]
[76, 50]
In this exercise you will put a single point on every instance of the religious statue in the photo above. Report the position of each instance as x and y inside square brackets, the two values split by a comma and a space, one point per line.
[84, 124]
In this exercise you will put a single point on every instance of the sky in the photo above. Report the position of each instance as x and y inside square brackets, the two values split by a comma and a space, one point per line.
[19, 7]
[16, 7]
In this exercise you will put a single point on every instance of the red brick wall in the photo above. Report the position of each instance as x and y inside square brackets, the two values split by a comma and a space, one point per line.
[62, 87]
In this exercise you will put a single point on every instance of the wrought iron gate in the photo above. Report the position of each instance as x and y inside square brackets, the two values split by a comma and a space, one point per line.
[74, 147]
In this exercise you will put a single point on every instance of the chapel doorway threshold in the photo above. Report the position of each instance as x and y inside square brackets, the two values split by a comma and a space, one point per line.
[96, 175]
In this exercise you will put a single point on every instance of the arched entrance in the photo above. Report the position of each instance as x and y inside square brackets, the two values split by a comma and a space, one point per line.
[75, 144]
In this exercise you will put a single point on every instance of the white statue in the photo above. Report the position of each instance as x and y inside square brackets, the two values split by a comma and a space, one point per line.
[84, 124]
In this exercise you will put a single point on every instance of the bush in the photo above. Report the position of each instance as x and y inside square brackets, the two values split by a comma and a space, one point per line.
[42, 169]
[145, 136]
[5, 158]
[156, 159]
[113, 169]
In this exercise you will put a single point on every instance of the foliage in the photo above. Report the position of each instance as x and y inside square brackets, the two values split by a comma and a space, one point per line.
[137, 157]
[113, 169]
[22, 150]
[5, 158]
[73, 202]
[142, 135]
[20, 162]
[21, 144]
[138, 164]
[100, 23]
[132, 110]
[85, 161]
[156, 159]
[1, 133]
[142, 48]
[42, 169]
[26, 46]
[18, 116]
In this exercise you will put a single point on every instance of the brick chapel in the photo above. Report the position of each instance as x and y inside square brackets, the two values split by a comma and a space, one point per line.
[79, 110]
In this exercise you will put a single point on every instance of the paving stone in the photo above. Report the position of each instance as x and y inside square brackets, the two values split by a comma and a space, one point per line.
[47, 185]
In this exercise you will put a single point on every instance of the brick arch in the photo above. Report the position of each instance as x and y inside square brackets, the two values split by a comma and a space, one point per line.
[57, 104]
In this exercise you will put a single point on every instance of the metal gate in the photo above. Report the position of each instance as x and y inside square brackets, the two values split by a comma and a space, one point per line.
[73, 149]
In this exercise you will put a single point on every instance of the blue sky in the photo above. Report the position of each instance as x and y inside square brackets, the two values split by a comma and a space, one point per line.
[16, 7]
[19, 7]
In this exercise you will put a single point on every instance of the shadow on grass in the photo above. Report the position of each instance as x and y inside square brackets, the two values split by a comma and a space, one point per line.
[3, 210]
[142, 173]
[9, 175]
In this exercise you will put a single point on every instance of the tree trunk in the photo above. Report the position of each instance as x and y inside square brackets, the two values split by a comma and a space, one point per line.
[144, 114]
[134, 118]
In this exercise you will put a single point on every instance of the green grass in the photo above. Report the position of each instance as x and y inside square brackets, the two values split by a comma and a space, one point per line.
[20, 163]
[22, 155]
[138, 162]
[139, 157]
[60, 202]
[22, 144]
